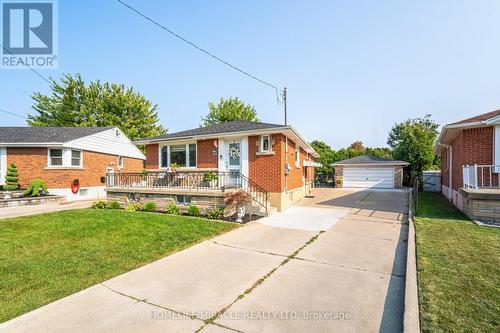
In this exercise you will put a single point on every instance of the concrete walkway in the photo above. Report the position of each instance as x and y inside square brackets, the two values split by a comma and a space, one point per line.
[43, 208]
[259, 278]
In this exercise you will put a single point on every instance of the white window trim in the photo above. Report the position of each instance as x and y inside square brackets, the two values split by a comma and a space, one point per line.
[297, 155]
[66, 159]
[160, 147]
[262, 143]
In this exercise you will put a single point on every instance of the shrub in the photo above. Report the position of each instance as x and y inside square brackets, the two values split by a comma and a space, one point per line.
[34, 188]
[210, 176]
[133, 207]
[216, 213]
[150, 207]
[114, 205]
[172, 209]
[193, 211]
[99, 204]
[11, 178]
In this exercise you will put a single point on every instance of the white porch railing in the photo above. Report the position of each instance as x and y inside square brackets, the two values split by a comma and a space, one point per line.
[480, 176]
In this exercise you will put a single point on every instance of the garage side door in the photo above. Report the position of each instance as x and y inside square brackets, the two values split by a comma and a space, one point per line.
[369, 177]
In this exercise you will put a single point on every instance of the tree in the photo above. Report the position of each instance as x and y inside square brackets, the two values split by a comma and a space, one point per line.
[326, 158]
[77, 104]
[357, 145]
[413, 142]
[11, 178]
[228, 110]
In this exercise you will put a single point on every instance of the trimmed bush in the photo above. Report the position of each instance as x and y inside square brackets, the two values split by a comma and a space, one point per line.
[34, 188]
[114, 205]
[193, 211]
[11, 178]
[99, 204]
[133, 207]
[150, 207]
[172, 209]
[216, 213]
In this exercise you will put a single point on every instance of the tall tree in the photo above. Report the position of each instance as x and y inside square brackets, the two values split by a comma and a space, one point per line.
[228, 110]
[77, 104]
[357, 145]
[413, 141]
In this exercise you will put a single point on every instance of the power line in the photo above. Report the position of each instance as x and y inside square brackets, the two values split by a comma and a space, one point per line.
[30, 68]
[13, 114]
[199, 48]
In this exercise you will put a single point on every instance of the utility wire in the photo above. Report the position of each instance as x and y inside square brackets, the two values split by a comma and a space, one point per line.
[34, 71]
[13, 114]
[202, 49]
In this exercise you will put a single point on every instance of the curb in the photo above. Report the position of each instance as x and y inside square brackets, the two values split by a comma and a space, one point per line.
[411, 314]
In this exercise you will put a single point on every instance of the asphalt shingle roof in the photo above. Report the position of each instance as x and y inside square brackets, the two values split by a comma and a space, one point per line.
[368, 159]
[481, 117]
[227, 127]
[46, 134]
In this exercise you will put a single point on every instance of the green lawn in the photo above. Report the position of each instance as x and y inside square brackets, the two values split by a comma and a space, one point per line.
[46, 257]
[458, 270]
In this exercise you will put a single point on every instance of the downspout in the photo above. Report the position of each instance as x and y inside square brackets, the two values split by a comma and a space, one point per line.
[450, 174]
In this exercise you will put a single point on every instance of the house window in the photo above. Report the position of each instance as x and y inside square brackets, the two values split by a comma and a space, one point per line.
[164, 157]
[265, 143]
[297, 155]
[76, 158]
[184, 200]
[180, 155]
[120, 161]
[55, 157]
[192, 155]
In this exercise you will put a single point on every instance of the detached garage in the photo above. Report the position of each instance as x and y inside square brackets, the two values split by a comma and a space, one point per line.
[369, 172]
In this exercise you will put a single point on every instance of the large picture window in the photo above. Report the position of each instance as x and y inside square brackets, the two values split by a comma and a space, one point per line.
[180, 155]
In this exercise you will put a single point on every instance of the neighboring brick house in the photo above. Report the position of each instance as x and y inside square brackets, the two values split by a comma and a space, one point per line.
[470, 155]
[274, 157]
[61, 155]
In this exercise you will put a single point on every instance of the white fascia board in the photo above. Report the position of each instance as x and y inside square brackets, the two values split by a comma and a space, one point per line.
[31, 144]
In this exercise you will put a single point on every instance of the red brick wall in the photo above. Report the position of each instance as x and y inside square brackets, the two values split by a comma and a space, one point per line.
[294, 179]
[32, 163]
[206, 157]
[267, 170]
[152, 157]
[471, 146]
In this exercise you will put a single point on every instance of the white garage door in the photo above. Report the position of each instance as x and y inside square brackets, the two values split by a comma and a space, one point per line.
[369, 177]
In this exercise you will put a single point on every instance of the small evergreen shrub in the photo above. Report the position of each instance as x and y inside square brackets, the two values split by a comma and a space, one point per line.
[11, 178]
[172, 209]
[34, 188]
[193, 211]
[99, 204]
[114, 205]
[150, 207]
[133, 207]
[215, 214]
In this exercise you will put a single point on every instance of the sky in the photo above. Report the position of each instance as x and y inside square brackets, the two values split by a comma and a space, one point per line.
[352, 68]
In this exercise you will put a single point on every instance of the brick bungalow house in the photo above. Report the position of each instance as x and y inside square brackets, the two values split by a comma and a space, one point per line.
[272, 163]
[59, 155]
[470, 164]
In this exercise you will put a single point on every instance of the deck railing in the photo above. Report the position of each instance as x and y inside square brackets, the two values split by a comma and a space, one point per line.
[480, 176]
[189, 180]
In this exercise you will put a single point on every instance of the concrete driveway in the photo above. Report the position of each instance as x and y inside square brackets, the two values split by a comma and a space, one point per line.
[264, 277]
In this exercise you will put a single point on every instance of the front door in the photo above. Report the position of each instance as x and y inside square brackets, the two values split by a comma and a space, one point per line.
[234, 163]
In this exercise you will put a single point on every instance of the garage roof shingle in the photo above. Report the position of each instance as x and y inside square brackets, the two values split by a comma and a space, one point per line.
[369, 159]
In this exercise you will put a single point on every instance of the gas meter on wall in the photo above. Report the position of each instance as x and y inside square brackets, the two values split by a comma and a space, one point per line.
[287, 168]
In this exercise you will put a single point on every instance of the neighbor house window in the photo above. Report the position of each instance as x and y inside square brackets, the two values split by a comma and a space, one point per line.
[120, 161]
[55, 157]
[265, 143]
[76, 158]
[180, 155]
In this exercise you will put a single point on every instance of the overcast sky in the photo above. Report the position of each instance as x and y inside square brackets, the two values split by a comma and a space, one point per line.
[352, 68]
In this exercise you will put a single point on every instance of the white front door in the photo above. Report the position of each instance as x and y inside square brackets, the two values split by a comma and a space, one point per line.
[233, 162]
